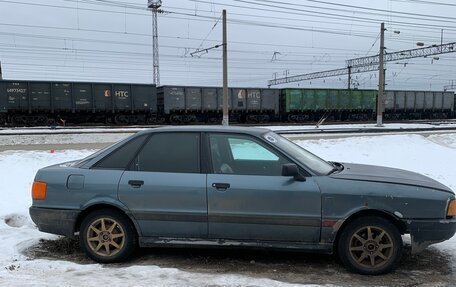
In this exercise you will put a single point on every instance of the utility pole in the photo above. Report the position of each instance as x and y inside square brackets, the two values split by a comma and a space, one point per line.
[1, 76]
[381, 78]
[226, 120]
[154, 5]
[349, 77]
[441, 38]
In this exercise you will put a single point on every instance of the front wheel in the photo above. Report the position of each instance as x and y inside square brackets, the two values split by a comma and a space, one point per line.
[370, 245]
[107, 236]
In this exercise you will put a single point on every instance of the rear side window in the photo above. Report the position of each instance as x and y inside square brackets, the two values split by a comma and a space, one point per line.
[121, 157]
[170, 152]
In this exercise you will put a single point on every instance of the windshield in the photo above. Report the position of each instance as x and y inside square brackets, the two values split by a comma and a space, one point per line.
[304, 157]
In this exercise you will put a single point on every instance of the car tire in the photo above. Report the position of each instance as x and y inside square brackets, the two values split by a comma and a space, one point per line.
[370, 245]
[107, 236]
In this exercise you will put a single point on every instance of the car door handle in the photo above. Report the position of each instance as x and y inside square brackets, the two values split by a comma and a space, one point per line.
[221, 186]
[136, 183]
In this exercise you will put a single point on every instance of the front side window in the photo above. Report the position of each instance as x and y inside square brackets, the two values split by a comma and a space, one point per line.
[303, 156]
[243, 155]
[246, 149]
[170, 152]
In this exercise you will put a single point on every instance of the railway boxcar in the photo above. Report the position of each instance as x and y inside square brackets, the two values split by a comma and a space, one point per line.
[205, 104]
[300, 105]
[41, 103]
[419, 105]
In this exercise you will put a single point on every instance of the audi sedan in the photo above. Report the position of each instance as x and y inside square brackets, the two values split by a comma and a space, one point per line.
[238, 187]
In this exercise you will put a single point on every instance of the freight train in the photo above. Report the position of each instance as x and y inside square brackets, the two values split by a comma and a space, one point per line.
[46, 103]
[32, 103]
[300, 105]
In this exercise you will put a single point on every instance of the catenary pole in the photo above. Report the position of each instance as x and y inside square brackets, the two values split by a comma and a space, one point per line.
[155, 5]
[381, 78]
[225, 120]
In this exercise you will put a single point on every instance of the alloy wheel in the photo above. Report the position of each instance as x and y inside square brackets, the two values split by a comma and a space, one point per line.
[371, 247]
[105, 237]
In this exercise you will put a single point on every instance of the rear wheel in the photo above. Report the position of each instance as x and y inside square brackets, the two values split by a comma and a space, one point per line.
[107, 236]
[370, 245]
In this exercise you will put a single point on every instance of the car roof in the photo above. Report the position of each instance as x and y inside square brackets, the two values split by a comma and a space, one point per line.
[211, 128]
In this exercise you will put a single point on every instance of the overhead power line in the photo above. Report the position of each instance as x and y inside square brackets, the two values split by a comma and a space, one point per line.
[323, 74]
[365, 64]
[427, 2]
[335, 13]
[291, 11]
[148, 36]
[403, 55]
[295, 10]
[351, 7]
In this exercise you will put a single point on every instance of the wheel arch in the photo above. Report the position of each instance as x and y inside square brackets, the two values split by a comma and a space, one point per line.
[98, 206]
[370, 212]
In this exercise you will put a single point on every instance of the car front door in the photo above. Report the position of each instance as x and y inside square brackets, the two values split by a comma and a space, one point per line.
[164, 188]
[249, 199]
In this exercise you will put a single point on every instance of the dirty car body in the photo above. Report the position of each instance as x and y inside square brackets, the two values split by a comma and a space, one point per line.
[237, 187]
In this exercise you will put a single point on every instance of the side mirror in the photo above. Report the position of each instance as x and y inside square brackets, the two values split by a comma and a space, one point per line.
[291, 169]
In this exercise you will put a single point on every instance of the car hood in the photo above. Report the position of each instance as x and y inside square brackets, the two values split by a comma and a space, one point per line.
[388, 175]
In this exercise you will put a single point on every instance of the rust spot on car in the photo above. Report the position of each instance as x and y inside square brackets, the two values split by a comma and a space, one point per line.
[328, 222]
[335, 224]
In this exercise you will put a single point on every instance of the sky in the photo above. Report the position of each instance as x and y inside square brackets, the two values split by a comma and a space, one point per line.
[111, 41]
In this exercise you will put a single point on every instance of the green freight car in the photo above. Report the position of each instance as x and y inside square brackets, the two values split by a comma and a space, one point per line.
[298, 105]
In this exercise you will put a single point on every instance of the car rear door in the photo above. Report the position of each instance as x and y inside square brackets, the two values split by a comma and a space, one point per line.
[164, 188]
[249, 199]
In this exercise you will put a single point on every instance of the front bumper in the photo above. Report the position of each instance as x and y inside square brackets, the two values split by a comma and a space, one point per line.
[427, 232]
[55, 221]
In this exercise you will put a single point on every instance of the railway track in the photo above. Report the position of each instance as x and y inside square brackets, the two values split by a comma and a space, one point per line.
[334, 128]
[326, 123]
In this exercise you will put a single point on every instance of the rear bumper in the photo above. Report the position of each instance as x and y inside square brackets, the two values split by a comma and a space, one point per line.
[427, 232]
[55, 221]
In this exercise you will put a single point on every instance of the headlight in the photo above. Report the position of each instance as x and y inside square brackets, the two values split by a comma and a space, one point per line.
[452, 208]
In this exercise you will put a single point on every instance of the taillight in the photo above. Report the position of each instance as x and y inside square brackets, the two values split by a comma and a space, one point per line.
[39, 190]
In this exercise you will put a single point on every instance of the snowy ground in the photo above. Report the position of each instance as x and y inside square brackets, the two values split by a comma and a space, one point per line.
[387, 126]
[434, 156]
[65, 139]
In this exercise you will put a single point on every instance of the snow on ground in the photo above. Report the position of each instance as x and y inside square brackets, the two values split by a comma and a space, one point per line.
[397, 126]
[57, 130]
[448, 140]
[8, 140]
[18, 168]
[434, 156]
